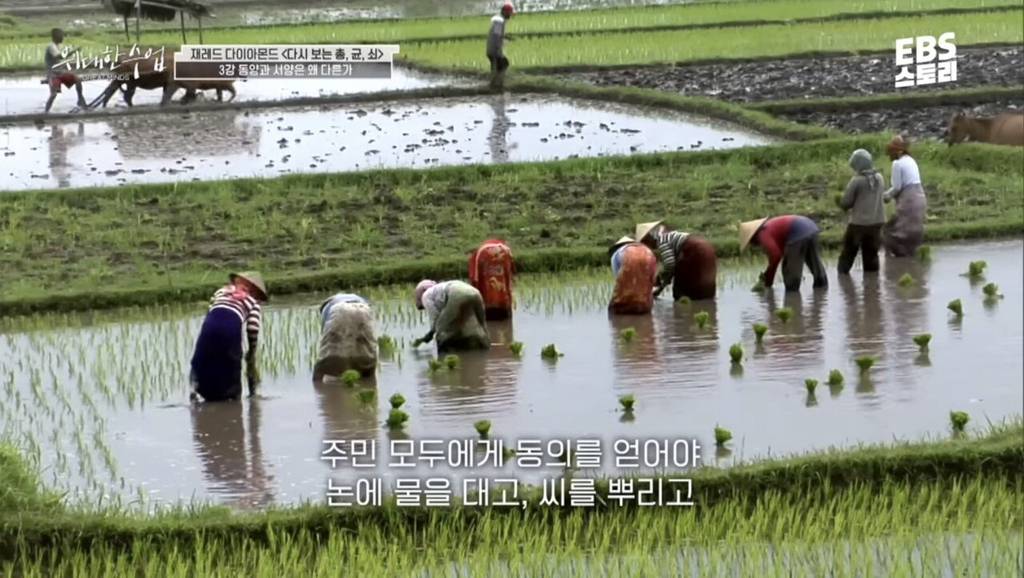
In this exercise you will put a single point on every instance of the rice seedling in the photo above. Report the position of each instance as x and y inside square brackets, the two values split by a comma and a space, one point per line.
[701, 318]
[736, 353]
[722, 436]
[835, 377]
[958, 419]
[684, 300]
[865, 363]
[367, 396]
[435, 365]
[956, 307]
[397, 419]
[386, 344]
[396, 400]
[976, 269]
[627, 401]
[516, 347]
[784, 314]
[350, 377]
[759, 330]
[627, 335]
[906, 280]
[991, 291]
[924, 253]
[758, 287]
[451, 361]
[811, 385]
[550, 352]
[922, 341]
[483, 427]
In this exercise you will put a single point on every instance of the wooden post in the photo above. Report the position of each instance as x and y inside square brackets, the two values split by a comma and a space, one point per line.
[184, 40]
[127, 35]
[200, 19]
[138, 20]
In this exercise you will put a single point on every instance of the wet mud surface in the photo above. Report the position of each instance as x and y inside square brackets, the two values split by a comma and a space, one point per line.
[272, 142]
[809, 78]
[102, 404]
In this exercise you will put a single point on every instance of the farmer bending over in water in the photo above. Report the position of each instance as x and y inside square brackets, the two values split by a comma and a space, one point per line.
[490, 270]
[496, 46]
[54, 77]
[456, 312]
[635, 268]
[688, 262]
[863, 199]
[217, 361]
[346, 337]
[791, 239]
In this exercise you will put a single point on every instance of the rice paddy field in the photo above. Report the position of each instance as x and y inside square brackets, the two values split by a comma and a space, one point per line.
[871, 429]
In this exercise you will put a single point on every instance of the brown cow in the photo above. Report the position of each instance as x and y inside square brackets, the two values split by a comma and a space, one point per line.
[132, 74]
[1003, 129]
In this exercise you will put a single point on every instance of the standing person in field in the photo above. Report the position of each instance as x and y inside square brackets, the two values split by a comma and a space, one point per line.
[635, 268]
[688, 262]
[55, 78]
[490, 270]
[496, 46]
[863, 200]
[904, 232]
[456, 312]
[347, 339]
[233, 320]
[791, 239]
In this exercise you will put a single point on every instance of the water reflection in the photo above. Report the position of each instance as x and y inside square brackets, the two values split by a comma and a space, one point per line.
[637, 359]
[194, 136]
[864, 318]
[497, 140]
[232, 461]
[802, 336]
[908, 311]
[345, 416]
[60, 142]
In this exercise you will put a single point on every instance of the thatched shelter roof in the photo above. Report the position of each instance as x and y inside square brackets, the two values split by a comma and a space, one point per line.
[160, 10]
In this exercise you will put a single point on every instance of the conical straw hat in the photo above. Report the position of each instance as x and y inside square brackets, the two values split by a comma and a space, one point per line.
[622, 241]
[643, 229]
[747, 231]
[255, 279]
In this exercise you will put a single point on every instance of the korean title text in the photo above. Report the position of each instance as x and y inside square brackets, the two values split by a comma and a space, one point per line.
[925, 60]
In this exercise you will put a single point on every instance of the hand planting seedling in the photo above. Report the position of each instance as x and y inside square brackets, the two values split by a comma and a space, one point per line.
[865, 363]
[550, 352]
[367, 396]
[451, 361]
[922, 341]
[483, 427]
[959, 420]
[759, 286]
[736, 353]
[906, 280]
[627, 334]
[811, 385]
[976, 269]
[516, 347]
[835, 377]
[397, 419]
[722, 436]
[924, 253]
[435, 365]
[386, 344]
[684, 300]
[759, 330]
[701, 317]
[396, 400]
[350, 377]
[956, 307]
[784, 314]
[627, 401]
[507, 454]
[991, 291]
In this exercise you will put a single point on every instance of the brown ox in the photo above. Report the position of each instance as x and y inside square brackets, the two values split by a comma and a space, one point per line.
[1004, 129]
[132, 74]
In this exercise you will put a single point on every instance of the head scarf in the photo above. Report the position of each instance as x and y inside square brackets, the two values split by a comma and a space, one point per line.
[421, 288]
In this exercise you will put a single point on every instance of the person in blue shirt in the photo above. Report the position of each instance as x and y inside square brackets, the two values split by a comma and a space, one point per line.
[347, 337]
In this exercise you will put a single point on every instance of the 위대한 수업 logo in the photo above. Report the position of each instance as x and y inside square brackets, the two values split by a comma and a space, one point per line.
[924, 60]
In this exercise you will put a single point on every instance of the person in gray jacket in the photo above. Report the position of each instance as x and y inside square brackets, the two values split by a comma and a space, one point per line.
[863, 200]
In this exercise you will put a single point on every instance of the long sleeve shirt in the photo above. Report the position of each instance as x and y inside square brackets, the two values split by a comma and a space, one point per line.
[669, 243]
[778, 232]
[434, 300]
[863, 198]
[247, 308]
[904, 174]
[325, 309]
[617, 260]
[496, 37]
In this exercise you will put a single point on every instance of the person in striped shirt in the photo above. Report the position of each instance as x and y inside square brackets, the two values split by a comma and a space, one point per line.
[232, 322]
[791, 240]
[347, 338]
[688, 262]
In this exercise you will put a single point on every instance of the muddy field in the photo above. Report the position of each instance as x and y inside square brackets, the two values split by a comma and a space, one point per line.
[922, 123]
[809, 78]
[101, 404]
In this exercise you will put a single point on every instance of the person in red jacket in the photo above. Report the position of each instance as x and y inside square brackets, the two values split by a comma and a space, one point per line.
[490, 270]
[791, 239]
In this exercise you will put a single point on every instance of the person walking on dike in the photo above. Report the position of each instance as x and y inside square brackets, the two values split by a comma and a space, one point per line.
[54, 77]
[688, 262]
[217, 361]
[456, 311]
[347, 339]
[496, 46]
[636, 269]
[904, 232]
[491, 269]
[791, 239]
[863, 200]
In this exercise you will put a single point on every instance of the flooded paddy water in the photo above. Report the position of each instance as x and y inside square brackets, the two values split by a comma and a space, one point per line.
[273, 142]
[100, 401]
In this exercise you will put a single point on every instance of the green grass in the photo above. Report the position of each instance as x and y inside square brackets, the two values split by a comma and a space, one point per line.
[151, 243]
[964, 96]
[620, 49]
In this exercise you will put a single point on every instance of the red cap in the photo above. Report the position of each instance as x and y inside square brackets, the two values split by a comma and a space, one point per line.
[507, 9]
